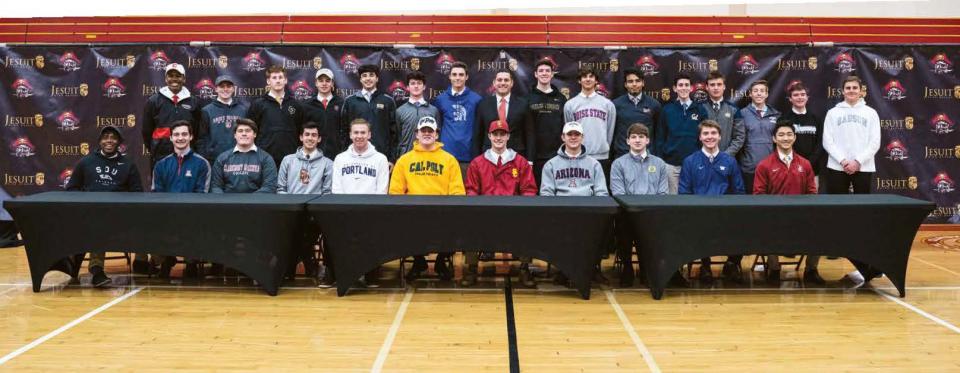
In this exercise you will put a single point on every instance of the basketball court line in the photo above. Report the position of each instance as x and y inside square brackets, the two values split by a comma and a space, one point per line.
[919, 311]
[67, 326]
[9, 290]
[937, 266]
[391, 334]
[642, 348]
[511, 329]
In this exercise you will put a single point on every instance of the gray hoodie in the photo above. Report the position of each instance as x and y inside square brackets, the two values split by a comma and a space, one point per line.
[564, 175]
[635, 175]
[758, 143]
[598, 116]
[301, 175]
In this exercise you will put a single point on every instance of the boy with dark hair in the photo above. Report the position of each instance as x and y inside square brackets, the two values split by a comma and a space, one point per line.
[218, 118]
[675, 135]
[376, 108]
[412, 111]
[324, 110]
[507, 108]
[245, 168]
[757, 120]
[632, 108]
[596, 114]
[724, 113]
[807, 126]
[545, 103]
[458, 106]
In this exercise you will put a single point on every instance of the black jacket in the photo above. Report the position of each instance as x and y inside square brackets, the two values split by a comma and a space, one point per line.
[158, 113]
[381, 112]
[97, 173]
[334, 138]
[547, 112]
[279, 124]
[519, 118]
[809, 130]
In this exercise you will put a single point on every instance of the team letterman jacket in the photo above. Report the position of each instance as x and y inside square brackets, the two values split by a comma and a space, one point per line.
[513, 177]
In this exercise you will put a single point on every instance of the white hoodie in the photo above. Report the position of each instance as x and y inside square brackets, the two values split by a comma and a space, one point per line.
[367, 173]
[851, 132]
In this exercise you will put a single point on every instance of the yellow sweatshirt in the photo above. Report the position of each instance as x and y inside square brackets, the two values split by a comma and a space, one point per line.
[423, 172]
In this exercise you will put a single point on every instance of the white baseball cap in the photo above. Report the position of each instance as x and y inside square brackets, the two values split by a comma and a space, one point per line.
[175, 66]
[571, 127]
[324, 71]
[427, 121]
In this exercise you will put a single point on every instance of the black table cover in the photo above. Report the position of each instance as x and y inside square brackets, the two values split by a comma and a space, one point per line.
[253, 233]
[876, 229]
[364, 231]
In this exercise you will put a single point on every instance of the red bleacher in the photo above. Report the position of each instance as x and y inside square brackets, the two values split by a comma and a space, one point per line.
[512, 30]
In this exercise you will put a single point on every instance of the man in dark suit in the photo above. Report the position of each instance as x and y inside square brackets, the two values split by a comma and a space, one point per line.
[506, 107]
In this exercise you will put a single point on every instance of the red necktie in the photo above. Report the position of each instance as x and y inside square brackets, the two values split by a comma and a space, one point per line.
[324, 103]
[502, 110]
[499, 160]
[176, 99]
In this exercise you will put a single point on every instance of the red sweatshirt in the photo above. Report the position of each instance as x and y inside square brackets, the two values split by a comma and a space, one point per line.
[514, 176]
[774, 177]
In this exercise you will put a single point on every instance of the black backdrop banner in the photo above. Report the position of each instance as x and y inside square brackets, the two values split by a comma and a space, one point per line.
[56, 98]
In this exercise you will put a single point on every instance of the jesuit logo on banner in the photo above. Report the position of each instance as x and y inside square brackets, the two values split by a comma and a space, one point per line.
[897, 124]
[445, 62]
[942, 183]
[941, 153]
[37, 62]
[301, 90]
[844, 63]
[21, 147]
[159, 60]
[205, 89]
[502, 62]
[893, 65]
[349, 63]
[896, 151]
[747, 65]
[894, 91]
[67, 122]
[21, 88]
[253, 62]
[64, 177]
[697, 67]
[908, 183]
[412, 64]
[66, 150]
[648, 65]
[208, 63]
[69, 62]
[113, 88]
[398, 91]
[81, 90]
[290, 64]
[808, 64]
[35, 120]
[940, 64]
[37, 179]
[127, 61]
[941, 124]
[934, 93]
[117, 121]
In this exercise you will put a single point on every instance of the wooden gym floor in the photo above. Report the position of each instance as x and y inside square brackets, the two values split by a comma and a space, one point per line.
[227, 324]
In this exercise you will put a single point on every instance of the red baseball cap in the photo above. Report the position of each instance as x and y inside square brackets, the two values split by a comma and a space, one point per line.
[498, 125]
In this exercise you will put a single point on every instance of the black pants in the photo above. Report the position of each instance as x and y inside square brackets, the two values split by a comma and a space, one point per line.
[838, 182]
[748, 183]
[538, 171]
[625, 240]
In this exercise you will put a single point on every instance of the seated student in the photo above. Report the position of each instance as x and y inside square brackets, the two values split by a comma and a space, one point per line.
[499, 171]
[786, 172]
[712, 172]
[573, 173]
[104, 170]
[183, 171]
[306, 171]
[359, 170]
[427, 170]
[245, 168]
[634, 173]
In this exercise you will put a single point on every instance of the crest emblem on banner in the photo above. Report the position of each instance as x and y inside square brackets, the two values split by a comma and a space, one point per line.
[131, 60]
[40, 178]
[941, 124]
[317, 63]
[131, 120]
[398, 91]
[648, 65]
[941, 64]
[69, 62]
[812, 63]
[445, 62]
[158, 60]
[908, 63]
[253, 62]
[66, 121]
[665, 94]
[415, 64]
[699, 93]
[614, 65]
[350, 63]
[896, 151]
[39, 62]
[513, 64]
[565, 92]
[942, 183]
[713, 65]
[64, 177]
[205, 89]
[21, 88]
[908, 122]
[21, 147]
[223, 62]
[301, 90]
[112, 88]
[844, 62]
[894, 91]
[747, 65]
